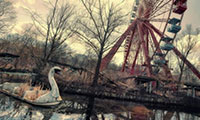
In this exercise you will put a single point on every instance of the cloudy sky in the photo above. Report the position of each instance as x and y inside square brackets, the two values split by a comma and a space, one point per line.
[192, 15]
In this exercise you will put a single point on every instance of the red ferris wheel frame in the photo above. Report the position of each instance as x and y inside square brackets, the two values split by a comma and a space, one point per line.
[144, 29]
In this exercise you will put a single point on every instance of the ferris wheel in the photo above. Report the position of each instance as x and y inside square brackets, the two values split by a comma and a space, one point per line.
[149, 37]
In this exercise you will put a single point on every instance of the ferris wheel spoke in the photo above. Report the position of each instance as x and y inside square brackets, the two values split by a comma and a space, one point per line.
[159, 20]
[160, 6]
[161, 13]
[114, 49]
[150, 26]
[146, 54]
[155, 42]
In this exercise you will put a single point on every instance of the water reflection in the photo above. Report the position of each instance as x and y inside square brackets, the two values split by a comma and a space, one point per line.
[164, 115]
[12, 109]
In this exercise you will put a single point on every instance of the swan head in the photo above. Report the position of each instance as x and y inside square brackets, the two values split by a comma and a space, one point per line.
[56, 70]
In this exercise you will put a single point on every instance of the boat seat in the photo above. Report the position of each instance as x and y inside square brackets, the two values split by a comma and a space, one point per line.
[159, 62]
[174, 28]
[154, 65]
[180, 7]
[182, 1]
[174, 21]
[167, 47]
[166, 39]
[137, 2]
[133, 15]
[135, 8]
[131, 20]
[159, 54]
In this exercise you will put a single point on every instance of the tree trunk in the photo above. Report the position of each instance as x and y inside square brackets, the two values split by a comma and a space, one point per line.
[90, 108]
[94, 83]
[97, 69]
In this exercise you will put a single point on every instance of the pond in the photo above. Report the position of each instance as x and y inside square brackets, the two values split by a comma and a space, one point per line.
[13, 109]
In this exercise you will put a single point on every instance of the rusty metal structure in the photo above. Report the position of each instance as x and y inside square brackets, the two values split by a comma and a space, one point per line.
[149, 37]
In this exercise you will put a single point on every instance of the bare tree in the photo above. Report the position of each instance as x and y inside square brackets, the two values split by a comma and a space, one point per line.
[185, 47]
[98, 29]
[55, 30]
[26, 44]
[7, 16]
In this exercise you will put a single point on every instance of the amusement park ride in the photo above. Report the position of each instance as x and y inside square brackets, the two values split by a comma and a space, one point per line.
[149, 37]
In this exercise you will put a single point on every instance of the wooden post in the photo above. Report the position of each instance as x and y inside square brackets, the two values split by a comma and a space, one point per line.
[188, 92]
[150, 87]
[193, 92]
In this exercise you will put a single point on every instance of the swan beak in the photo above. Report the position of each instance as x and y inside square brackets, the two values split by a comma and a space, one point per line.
[59, 98]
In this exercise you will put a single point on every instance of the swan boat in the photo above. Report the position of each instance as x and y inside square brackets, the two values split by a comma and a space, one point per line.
[34, 94]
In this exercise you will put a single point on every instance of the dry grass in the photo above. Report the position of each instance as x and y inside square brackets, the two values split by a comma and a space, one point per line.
[34, 94]
[30, 93]
[140, 111]
[21, 89]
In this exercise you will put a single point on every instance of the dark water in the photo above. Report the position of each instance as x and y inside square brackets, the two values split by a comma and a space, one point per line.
[12, 109]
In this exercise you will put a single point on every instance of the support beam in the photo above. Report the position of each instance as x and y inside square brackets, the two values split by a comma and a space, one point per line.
[114, 49]
[135, 59]
[147, 39]
[150, 26]
[184, 59]
[128, 50]
[146, 54]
